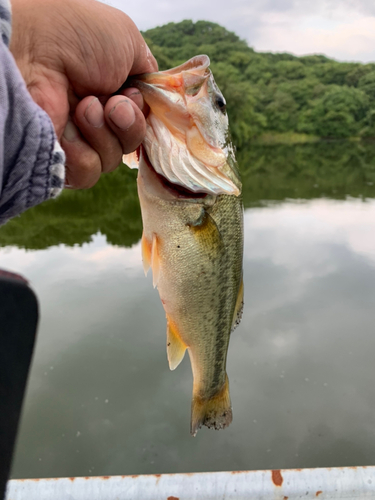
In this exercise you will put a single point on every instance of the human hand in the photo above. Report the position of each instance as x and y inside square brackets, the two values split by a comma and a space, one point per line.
[74, 55]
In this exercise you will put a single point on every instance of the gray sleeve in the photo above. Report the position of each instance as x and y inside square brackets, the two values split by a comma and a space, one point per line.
[31, 159]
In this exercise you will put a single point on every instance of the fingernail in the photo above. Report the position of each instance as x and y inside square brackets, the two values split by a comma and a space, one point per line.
[71, 133]
[122, 115]
[94, 113]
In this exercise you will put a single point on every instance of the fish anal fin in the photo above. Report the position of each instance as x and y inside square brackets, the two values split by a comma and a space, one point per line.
[155, 260]
[146, 253]
[214, 413]
[175, 346]
[238, 310]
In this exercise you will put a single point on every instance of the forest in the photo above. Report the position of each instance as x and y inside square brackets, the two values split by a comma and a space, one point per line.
[274, 94]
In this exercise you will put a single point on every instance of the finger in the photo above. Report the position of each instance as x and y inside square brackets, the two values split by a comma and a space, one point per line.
[126, 120]
[89, 117]
[133, 93]
[83, 165]
[136, 96]
[143, 60]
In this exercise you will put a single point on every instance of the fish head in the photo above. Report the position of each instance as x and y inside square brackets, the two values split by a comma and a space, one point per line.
[187, 136]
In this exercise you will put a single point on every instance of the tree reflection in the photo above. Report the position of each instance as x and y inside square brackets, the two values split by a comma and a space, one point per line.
[269, 173]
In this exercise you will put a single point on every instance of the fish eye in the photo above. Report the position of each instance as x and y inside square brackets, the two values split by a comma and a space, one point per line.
[220, 102]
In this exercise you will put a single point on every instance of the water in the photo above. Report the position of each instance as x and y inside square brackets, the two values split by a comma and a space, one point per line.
[101, 399]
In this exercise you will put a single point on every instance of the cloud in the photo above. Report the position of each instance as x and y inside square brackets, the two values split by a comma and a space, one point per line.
[339, 29]
[350, 40]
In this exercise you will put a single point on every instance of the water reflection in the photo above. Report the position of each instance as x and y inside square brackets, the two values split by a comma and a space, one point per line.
[101, 399]
[335, 170]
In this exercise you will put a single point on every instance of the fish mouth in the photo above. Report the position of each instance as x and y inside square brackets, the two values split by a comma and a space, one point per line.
[173, 189]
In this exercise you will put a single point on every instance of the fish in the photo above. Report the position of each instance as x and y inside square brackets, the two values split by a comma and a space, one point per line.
[190, 196]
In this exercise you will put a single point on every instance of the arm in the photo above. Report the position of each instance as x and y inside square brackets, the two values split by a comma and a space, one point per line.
[73, 56]
[31, 160]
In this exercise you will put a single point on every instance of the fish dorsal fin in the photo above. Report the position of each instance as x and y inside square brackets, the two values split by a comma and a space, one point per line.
[155, 260]
[175, 347]
[238, 310]
[146, 254]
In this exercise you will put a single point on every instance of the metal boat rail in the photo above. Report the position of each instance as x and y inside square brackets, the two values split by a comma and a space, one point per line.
[288, 484]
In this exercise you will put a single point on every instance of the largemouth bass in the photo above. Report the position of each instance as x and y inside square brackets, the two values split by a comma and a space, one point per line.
[189, 191]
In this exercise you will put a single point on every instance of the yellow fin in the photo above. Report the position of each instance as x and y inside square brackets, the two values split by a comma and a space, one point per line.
[214, 413]
[207, 233]
[155, 260]
[175, 347]
[238, 310]
[146, 254]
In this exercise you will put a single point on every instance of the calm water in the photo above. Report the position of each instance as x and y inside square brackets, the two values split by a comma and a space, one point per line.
[101, 399]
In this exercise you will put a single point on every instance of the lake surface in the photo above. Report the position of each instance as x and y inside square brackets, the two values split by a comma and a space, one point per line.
[101, 399]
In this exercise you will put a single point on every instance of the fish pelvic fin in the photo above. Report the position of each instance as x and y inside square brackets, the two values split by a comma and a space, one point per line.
[175, 346]
[150, 257]
[238, 310]
[214, 413]
[146, 253]
[155, 260]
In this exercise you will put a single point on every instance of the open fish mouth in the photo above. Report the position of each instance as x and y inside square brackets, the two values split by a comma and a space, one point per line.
[176, 190]
[187, 136]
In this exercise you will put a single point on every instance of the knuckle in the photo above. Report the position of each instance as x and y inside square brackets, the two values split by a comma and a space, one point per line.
[111, 159]
[132, 140]
[85, 173]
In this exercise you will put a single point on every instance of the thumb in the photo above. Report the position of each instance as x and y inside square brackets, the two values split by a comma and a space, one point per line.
[143, 60]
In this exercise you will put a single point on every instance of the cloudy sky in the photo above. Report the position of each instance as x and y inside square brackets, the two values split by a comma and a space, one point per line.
[342, 29]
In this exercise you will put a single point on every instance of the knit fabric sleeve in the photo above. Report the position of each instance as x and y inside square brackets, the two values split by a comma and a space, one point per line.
[31, 159]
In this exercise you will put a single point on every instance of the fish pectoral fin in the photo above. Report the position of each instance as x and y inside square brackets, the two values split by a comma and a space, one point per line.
[238, 310]
[146, 253]
[131, 159]
[175, 346]
[206, 232]
[155, 260]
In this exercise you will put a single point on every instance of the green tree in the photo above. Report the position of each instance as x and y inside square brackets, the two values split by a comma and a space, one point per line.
[339, 113]
[281, 113]
[367, 84]
[245, 121]
[290, 70]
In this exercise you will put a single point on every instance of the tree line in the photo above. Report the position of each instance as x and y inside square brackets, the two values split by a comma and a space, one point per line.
[274, 92]
[269, 173]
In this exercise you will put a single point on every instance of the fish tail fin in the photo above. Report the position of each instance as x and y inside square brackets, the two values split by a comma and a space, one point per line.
[214, 413]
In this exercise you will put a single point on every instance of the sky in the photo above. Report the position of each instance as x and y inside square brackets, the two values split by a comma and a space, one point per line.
[340, 29]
